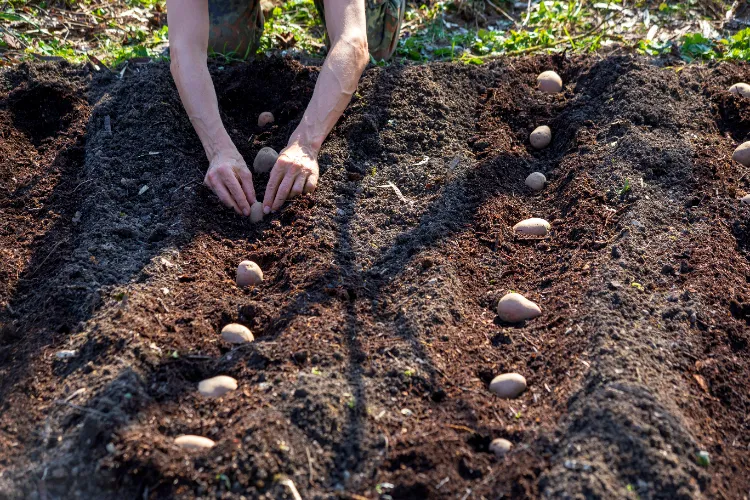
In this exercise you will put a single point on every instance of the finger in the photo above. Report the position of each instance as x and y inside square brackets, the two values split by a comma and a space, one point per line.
[246, 178]
[312, 183]
[225, 197]
[298, 186]
[283, 193]
[233, 185]
[271, 188]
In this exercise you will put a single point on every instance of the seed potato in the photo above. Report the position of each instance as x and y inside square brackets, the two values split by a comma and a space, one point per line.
[190, 442]
[508, 385]
[248, 273]
[235, 333]
[256, 212]
[533, 227]
[540, 137]
[265, 160]
[514, 308]
[742, 89]
[536, 181]
[742, 154]
[549, 82]
[265, 118]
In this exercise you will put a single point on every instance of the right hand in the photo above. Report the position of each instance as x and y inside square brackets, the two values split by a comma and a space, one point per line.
[230, 179]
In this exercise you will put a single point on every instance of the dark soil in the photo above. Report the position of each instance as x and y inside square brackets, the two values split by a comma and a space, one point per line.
[375, 329]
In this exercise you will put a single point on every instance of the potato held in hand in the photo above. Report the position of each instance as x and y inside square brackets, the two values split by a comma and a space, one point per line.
[249, 273]
[265, 160]
[541, 137]
[256, 212]
[549, 82]
[515, 308]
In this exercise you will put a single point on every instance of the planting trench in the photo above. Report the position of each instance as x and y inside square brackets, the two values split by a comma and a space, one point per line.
[376, 335]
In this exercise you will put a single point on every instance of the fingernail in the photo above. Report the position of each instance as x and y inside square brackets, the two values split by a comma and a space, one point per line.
[266, 210]
[246, 212]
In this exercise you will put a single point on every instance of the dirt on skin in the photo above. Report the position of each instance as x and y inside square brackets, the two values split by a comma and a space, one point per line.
[376, 335]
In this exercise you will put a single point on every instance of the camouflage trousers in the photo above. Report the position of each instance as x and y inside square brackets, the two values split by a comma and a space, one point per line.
[236, 25]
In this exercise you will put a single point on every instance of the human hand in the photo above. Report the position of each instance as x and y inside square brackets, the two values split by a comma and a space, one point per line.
[295, 172]
[230, 179]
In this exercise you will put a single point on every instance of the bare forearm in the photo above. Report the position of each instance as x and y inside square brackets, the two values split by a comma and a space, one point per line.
[336, 84]
[198, 96]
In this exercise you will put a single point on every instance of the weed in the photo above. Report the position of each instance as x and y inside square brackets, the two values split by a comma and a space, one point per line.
[625, 189]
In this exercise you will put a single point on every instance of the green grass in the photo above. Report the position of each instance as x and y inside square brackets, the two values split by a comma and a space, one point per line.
[431, 31]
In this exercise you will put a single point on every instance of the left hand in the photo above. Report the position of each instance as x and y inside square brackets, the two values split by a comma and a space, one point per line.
[295, 172]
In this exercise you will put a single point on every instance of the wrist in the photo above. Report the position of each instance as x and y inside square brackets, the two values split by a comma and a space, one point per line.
[220, 146]
[305, 139]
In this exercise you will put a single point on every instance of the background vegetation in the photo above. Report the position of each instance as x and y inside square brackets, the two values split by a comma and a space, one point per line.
[112, 32]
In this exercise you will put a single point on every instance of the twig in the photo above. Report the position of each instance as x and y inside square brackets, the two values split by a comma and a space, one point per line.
[309, 465]
[396, 190]
[293, 489]
[528, 13]
[81, 184]
[500, 11]
[462, 428]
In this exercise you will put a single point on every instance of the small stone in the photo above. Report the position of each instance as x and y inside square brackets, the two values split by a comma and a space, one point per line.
[216, 387]
[265, 118]
[111, 448]
[508, 385]
[300, 356]
[536, 181]
[533, 227]
[248, 273]
[549, 82]
[265, 160]
[742, 154]
[256, 212]
[540, 137]
[745, 199]
[500, 447]
[616, 253]
[704, 458]
[514, 308]
[190, 442]
[237, 334]
[65, 354]
[742, 89]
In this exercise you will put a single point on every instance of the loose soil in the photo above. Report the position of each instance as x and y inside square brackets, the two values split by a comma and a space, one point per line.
[375, 329]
